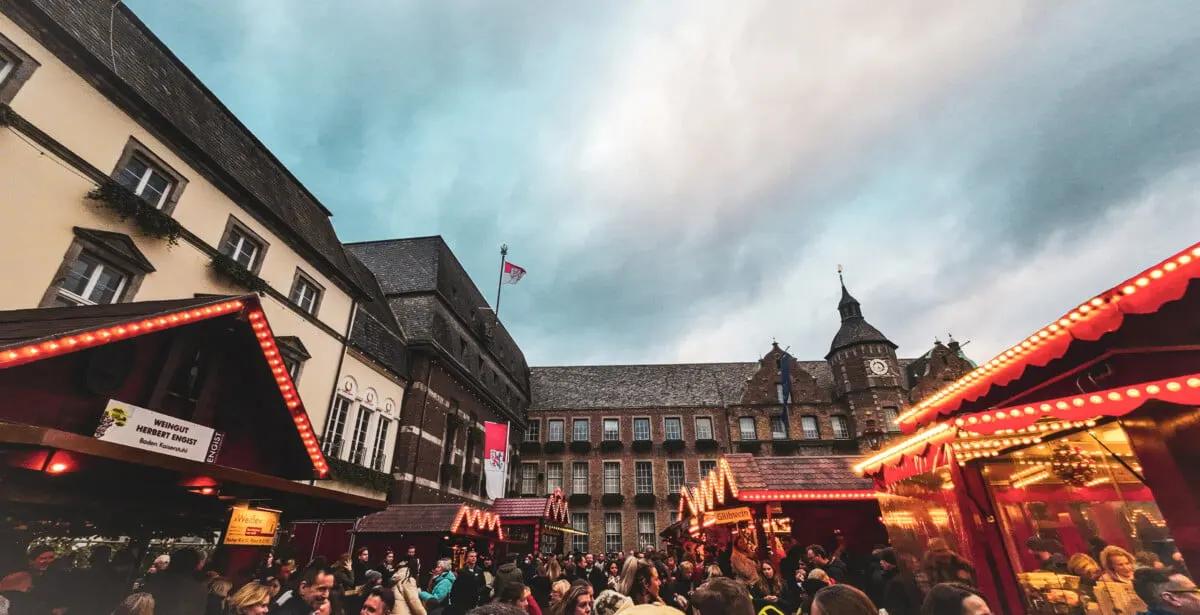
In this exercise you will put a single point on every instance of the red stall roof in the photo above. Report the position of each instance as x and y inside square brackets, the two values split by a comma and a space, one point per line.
[1144, 293]
[551, 508]
[35, 334]
[451, 518]
[746, 478]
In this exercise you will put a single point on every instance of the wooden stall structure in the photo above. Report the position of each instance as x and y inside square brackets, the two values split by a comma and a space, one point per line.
[1079, 436]
[534, 525]
[141, 421]
[435, 530]
[761, 499]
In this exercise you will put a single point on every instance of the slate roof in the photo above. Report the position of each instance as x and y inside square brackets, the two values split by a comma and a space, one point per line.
[796, 473]
[519, 507]
[595, 387]
[376, 331]
[19, 327]
[187, 115]
[638, 386]
[856, 330]
[410, 518]
[402, 265]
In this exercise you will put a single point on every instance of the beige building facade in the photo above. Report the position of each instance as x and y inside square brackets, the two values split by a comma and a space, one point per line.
[81, 133]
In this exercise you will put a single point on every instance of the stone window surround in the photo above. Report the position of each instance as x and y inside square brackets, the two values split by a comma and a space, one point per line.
[23, 67]
[604, 420]
[233, 223]
[79, 244]
[133, 147]
[664, 425]
[313, 284]
[712, 426]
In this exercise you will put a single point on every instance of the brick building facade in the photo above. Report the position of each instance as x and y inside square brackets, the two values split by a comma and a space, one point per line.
[464, 368]
[622, 439]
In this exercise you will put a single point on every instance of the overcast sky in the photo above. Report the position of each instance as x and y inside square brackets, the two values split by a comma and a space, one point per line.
[681, 179]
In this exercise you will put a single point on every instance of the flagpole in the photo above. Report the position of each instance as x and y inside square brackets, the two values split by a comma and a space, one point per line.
[500, 280]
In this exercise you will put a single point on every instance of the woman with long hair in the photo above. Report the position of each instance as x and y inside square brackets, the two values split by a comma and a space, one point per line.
[769, 587]
[645, 584]
[250, 599]
[405, 591]
[577, 601]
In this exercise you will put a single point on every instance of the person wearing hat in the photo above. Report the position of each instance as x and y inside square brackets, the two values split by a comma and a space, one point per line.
[372, 579]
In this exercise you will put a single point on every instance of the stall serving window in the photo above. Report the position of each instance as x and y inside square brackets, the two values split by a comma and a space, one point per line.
[1078, 518]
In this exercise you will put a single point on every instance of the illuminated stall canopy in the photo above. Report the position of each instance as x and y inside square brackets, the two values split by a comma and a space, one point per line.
[1144, 293]
[1082, 433]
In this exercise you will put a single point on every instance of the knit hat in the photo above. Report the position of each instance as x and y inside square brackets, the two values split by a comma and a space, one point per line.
[373, 576]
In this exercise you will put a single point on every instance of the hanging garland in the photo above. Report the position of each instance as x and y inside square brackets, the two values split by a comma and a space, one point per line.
[1073, 466]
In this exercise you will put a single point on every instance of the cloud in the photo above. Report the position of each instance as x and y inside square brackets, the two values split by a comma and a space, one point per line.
[681, 178]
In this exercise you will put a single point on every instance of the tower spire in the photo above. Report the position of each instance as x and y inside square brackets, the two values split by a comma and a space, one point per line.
[848, 306]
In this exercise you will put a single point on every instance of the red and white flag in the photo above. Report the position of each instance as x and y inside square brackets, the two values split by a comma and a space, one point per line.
[512, 273]
[495, 448]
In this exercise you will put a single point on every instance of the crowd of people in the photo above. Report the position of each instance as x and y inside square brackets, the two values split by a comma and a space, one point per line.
[805, 580]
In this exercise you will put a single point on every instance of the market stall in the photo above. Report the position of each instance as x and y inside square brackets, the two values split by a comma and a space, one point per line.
[141, 422]
[752, 502]
[1080, 436]
[534, 525]
[435, 530]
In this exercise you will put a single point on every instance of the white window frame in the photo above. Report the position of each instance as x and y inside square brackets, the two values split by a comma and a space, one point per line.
[742, 429]
[839, 422]
[379, 455]
[549, 485]
[666, 432]
[533, 427]
[649, 429]
[612, 540]
[307, 301]
[672, 487]
[711, 463]
[362, 425]
[333, 436]
[562, 430]
[637, 477]
[604, 477]
[604, 422]
[529, 472]
[243, 239]
[586, 478]
[646, 540]
[810, 434]
[587, 430]
[93, 279]
[777, 421]
[7, 64]
[579, 523]
[151, 170]
[699, 436]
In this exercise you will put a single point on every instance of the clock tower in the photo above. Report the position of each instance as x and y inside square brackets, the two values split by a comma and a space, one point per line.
[866, 375]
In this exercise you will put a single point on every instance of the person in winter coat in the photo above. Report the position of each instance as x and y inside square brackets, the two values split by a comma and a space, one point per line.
[439, 585]
[464, 593]
[404, 588]
[509, 572]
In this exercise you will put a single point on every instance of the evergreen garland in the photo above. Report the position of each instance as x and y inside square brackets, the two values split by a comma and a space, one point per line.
[125, 204]
[236, 273]
[355, 474]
